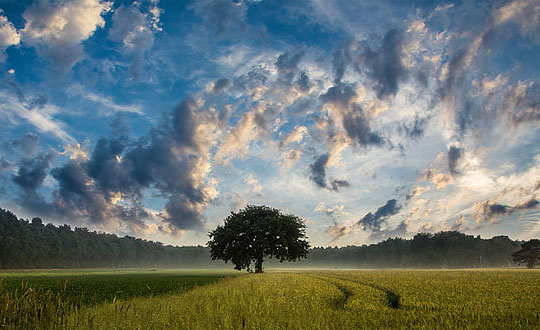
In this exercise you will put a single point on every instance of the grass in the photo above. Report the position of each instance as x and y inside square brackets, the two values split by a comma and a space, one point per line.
[397, 299]
[43, 299]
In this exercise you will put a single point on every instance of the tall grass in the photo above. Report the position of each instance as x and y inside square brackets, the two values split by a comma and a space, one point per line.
[338, 300]
[44, 302]
[304, 300]
[31, 308]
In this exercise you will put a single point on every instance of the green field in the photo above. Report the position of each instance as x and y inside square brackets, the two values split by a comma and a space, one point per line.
[396, 299]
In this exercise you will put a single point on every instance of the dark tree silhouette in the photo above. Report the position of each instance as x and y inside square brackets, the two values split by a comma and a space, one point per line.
[257, 232]
[529, 254]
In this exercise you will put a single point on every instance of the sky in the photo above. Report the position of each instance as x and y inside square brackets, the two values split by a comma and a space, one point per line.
[367, 119]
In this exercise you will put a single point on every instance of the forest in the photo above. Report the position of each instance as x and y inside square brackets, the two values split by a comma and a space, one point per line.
[32, 244]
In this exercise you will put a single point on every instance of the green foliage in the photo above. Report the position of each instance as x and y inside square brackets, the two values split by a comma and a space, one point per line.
[529, 254]
[256, 232]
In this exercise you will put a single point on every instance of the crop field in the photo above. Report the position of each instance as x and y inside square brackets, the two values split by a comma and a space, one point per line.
[395, 299]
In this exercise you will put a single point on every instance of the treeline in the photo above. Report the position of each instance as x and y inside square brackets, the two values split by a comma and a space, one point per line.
[31, 244]
[450, 249]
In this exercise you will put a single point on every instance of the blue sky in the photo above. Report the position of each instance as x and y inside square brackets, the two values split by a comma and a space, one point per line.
[367, 119]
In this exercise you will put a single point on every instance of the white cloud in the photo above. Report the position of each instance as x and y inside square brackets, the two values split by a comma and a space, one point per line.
[8, 36]
[105, 101]
[57, 28]
[42, 119]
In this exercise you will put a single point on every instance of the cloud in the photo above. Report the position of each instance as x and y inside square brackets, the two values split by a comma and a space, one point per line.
[295, 136]
[454, 155]
[417, 128]
[221, 16]
[418, 190]
[357, 127]
[107, 186]
[32, 172]
[526, 13]
[253, 125]
[135, 30]
[384, 65]
[4, 166]
[318, 174]
[106, 102]
[26, 145]
[290, 158]
[373, 222]
[57, 28]
[36, 111]
[442, 180]
[8, 36]
[401, 230]
[521, 103]
[370, 222]
[338, 232]
[220, 85]
[318, 171]
[489, 211]
[287, 65]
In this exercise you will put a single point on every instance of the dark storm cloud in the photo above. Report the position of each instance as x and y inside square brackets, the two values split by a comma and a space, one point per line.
[318, 174]
[357, 126]
[489, 211]
[373, 222]
[166, 159]
[303, 82]
[400, 231]
[454, 154]
[336, 184]
[340, 95]
[76, 196]
[32, 172]
[287, 65]
[383, 65]
[183, 123]
[318, 170]
[220, 85]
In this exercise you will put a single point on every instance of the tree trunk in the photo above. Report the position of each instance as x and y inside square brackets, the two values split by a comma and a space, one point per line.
[258, 265]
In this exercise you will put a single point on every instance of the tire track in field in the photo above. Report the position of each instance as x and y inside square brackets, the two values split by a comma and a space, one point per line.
[341, 302]
[393, 299]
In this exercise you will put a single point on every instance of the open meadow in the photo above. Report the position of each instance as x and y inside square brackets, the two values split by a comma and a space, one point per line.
[299, 299]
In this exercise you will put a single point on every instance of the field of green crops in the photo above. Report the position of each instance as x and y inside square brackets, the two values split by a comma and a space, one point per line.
[428, 299]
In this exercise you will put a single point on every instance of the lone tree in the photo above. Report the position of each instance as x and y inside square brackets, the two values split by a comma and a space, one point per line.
[529, 254]
[256, 232]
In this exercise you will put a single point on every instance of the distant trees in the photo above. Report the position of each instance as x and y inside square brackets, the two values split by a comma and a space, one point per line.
[256, 232]
[529, 254]
[31, 244]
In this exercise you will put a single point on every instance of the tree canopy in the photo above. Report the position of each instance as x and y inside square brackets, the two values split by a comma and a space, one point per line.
[256, 232]
[529, 254]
